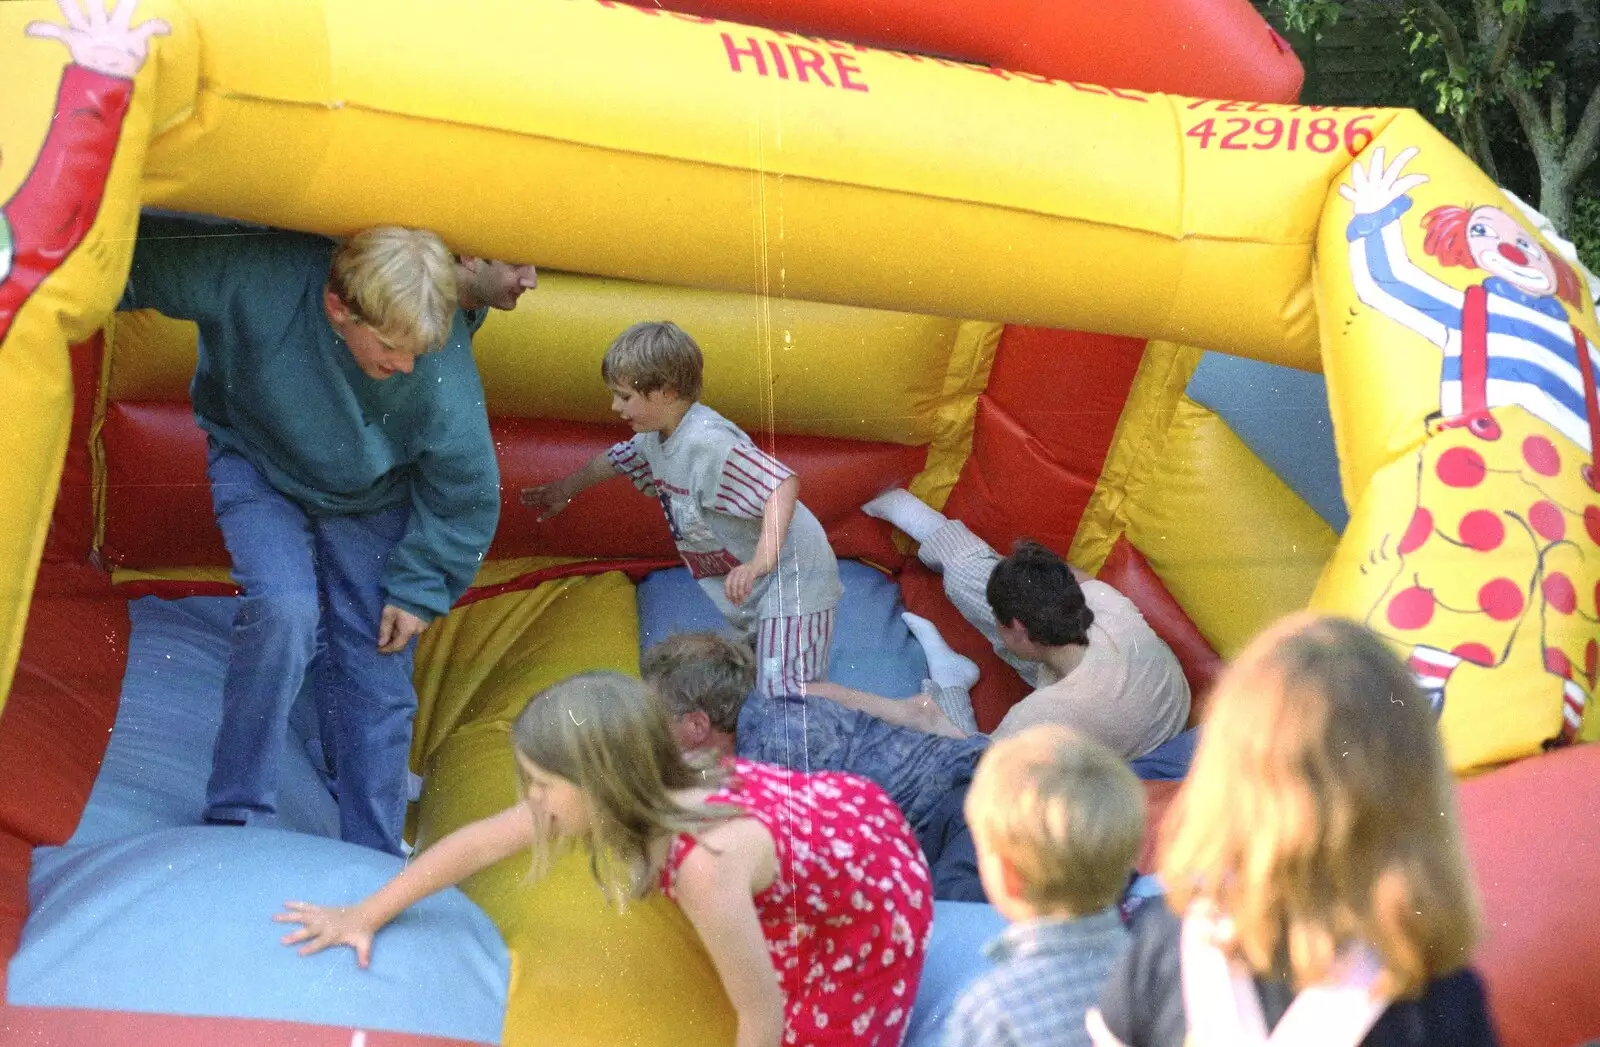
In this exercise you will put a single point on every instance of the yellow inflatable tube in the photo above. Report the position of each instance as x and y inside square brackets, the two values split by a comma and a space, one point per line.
[1235, 546]
[771, 364]
[597, 138]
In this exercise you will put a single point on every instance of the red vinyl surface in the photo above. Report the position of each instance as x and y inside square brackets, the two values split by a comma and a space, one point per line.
[72, 522]
[614, 520]
[63, 702]
[158, 502]
[16, 858]
[1158, 798]
[1127, 571]
[1534, 843]
[1044, 427]
[1203, 48]
[65, 1027]
[55, 725]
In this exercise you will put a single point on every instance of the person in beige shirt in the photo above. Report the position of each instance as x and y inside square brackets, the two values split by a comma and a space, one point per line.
[1094, 662]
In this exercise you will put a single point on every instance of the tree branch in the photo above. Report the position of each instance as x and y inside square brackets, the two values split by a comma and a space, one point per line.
[1556, 90]
[1534, 124]
[1458, 60]
[1482, 150]
[1505, 44]
[1584, 144]
[1455, 49]
[1555, 190]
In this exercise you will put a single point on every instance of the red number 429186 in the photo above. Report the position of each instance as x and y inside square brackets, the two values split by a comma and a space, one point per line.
[1320, 134]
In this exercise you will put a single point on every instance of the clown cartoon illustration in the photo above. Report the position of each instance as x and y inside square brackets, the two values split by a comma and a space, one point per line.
[1502, 541]
[52, 211]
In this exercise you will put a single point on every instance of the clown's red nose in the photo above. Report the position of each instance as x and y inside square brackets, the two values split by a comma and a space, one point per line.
[1513, 254]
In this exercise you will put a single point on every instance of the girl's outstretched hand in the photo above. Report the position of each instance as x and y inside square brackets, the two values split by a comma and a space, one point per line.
[324, 926]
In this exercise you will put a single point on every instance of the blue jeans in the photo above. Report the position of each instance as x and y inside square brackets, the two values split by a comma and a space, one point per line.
[926, 775]
[952, 855]
[297, 571]
[1169, 761]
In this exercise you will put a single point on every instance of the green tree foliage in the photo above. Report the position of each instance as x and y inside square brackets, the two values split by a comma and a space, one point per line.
[1515, 83]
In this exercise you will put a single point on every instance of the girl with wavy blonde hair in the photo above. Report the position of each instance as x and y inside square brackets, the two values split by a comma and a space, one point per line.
[596, 734]
[1317, 888]
[774, 869]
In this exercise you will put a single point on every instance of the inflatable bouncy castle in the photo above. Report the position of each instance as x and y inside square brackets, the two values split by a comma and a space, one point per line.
[1081, 272]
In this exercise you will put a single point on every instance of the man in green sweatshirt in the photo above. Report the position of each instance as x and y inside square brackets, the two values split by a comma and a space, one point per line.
[352, 475]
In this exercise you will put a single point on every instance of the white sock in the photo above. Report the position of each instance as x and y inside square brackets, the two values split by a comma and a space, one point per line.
[907, 512]
[945, 667]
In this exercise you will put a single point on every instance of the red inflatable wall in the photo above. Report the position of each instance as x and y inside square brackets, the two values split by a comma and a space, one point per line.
[72, 522]
[58, 717]
[1043, 429]
[158, 502]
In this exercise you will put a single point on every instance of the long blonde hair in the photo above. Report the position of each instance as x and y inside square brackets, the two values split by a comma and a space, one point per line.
[607, 735]
[1320, 812]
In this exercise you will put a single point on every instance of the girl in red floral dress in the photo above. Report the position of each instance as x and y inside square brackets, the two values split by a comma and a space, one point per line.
[817, 874]
[845, 915]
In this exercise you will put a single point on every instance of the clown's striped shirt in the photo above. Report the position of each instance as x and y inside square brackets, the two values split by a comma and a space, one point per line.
[1532, 352]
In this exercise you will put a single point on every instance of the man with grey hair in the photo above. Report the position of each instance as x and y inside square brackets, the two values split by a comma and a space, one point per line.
[705, 681]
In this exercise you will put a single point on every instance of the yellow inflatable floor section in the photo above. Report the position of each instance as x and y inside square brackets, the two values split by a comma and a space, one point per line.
[582, 975]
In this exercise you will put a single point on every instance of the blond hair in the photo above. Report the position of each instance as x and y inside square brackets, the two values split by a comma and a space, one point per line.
[701, 672]
[1320, 812]
[1064, 811]
[604, 733]
[655, 355]
[400, 282]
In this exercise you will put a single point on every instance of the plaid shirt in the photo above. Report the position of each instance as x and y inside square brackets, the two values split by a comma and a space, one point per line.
[1047, 974]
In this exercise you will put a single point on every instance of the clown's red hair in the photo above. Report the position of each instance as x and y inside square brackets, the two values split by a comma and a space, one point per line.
[1446, 240]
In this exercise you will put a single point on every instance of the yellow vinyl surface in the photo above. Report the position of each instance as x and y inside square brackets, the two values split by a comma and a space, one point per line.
[581, 974]
[1236, 548]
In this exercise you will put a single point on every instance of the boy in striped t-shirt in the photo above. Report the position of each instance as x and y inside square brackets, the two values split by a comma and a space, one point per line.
[734, 510]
